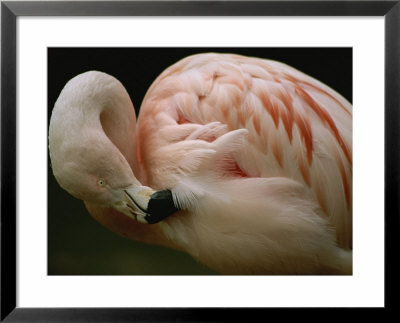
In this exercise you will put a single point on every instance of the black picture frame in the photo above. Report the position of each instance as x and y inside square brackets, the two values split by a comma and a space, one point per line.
[10, 11]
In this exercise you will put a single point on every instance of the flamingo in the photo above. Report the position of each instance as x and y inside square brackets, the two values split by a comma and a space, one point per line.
[244, 163]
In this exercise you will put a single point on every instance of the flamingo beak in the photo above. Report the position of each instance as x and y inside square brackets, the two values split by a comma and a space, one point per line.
[145, 205]
[160, 206]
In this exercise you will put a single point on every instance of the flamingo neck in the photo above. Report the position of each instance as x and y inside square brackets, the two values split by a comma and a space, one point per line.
[95, 111]
[110, 108]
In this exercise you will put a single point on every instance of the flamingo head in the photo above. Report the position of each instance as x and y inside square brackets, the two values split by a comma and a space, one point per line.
[103, 177]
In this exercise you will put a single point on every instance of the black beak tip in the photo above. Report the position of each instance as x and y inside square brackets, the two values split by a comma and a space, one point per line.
[161, 206]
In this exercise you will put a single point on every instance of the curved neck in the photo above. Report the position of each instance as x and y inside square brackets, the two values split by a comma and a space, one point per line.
[112, 106]
[103, 103]
[92, 106]
[118, 121]
[100, 107]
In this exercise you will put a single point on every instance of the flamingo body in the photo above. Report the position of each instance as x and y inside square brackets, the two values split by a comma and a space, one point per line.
[257, 157]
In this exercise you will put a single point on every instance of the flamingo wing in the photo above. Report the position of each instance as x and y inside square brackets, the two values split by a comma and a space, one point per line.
[298, 128]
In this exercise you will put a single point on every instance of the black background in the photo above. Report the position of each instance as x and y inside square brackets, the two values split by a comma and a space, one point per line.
[77, 244]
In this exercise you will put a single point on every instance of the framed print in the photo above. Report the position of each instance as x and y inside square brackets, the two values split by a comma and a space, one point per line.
[60, 264]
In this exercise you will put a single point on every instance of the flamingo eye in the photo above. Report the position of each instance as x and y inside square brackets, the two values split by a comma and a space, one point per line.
[101, 182]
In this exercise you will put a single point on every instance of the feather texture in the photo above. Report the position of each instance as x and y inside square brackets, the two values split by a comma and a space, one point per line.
[297, 127]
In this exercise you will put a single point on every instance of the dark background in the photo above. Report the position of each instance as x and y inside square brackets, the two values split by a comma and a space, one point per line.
[77, 244]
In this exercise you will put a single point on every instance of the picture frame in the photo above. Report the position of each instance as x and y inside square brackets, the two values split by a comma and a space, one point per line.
[10, 11]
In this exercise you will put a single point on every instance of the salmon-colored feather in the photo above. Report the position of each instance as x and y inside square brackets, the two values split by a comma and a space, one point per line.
[283, 94]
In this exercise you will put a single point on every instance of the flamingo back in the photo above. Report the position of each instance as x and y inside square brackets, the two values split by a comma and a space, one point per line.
[298, 128]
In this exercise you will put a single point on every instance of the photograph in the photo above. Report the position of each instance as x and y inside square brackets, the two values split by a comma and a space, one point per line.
[200, 161]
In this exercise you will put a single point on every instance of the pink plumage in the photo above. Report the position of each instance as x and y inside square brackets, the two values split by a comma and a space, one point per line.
[257, 157]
